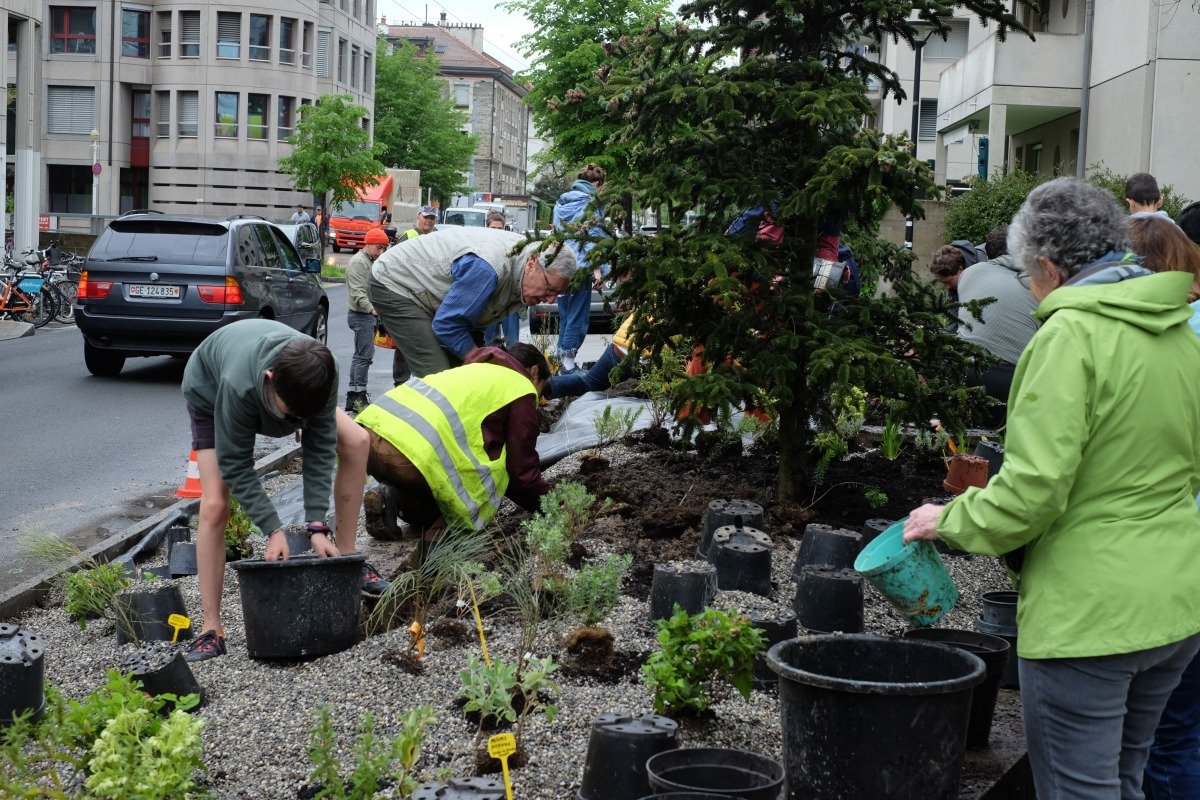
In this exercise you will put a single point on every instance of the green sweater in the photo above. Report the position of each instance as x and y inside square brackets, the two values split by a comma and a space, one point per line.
[1101, 471]
[224, 378]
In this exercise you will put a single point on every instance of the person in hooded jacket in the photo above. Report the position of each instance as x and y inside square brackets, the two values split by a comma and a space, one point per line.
[571, 214]
[1101, 471]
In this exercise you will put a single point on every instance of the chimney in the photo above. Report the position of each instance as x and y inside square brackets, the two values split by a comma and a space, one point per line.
[442, 20]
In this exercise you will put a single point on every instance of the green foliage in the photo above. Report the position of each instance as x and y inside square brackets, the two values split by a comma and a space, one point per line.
[567, 53]
[238, 530]
[595, 590]
[1114, 183]
[723, 115]
[931, 441]
[117, 741]
[567, 510]
[990, 202]
[548, 540]
[892, 442]
[416, 127]
[695, 652]
[90, 592]
[613, 426]
[377, 761]
[504, 692]
[657, 380]
[874, 497]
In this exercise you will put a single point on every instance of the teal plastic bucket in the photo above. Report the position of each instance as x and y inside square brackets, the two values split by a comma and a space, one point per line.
[911, 575]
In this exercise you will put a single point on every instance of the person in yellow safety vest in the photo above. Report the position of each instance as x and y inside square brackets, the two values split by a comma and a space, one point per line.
[447, 447]
[426, 219]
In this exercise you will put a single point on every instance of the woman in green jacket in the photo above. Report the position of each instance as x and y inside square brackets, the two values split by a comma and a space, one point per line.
[1101, 471]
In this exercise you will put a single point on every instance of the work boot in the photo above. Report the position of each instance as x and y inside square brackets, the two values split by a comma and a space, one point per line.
[207, 645]
[381, 510]
[356, 402]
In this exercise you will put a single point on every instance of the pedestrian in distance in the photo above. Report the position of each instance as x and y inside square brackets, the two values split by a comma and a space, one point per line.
[363, 321]
[426, 219]
[1143, 197]
[510, 326]
[435, 479]
[434, 292]
[300, 215]
[1098, 493]
[571, 214]
[261, 377]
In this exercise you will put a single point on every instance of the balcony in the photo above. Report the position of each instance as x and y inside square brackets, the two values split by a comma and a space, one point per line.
[1046, 73]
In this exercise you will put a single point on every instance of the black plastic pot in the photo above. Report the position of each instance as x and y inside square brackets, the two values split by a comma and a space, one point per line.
[690, 585]
[302, 607]
[298, 542]
[994, 453]
[742, 557]
[848, 706]
[142, 613]
[461, 789]
[162, 671]
[823, 544]
[183, 559]
[162, 572]
[739, 513]
[22, 667]
[829, 599]
[716, 770]
[690, 796]
[998, 617]
[617, 751]
[994, 652]
[776, 628]
[177, 533]
[872, 528]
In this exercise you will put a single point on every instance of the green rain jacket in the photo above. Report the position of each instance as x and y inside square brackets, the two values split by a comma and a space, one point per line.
[1101, 471]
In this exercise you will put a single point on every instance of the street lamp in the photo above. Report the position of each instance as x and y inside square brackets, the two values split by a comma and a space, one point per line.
[917, 25]
[95, 172]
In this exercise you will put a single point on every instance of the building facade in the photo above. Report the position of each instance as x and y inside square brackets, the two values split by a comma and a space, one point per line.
[191, 103]
[484, 88]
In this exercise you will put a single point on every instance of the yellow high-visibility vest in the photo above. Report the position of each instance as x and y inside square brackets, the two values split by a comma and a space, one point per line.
[437, 423]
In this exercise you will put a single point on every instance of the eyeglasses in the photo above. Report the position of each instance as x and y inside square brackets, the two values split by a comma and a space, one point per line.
[1024, 278]
[551, 293]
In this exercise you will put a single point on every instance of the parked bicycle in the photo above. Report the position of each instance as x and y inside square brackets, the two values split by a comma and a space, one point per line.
[62, 271]
[27, 297]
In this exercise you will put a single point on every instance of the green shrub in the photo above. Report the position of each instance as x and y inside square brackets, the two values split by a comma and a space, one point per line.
[142, 756]
[1114, 182]
[694, 653]
[90, 592]
[504, 692]
[990, 203]
[238, 530]
[597, 588]
[377, 761]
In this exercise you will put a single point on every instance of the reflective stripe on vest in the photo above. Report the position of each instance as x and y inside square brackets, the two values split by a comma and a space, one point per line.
[437, 424]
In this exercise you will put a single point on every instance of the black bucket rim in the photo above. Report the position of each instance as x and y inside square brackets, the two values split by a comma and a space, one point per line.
[773, 781]
[964, 682]
[1000, 596]
[990, 643]
[252, 564]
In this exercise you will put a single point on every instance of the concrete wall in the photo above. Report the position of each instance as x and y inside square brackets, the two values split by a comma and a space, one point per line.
[928, 234]
[1059, 146]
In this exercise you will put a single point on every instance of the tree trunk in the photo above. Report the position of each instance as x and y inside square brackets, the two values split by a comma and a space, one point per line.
[323, 228]
[794, 437]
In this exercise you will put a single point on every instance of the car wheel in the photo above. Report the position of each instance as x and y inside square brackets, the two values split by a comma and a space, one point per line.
[335, 248]
[102, 363]
[320, 325]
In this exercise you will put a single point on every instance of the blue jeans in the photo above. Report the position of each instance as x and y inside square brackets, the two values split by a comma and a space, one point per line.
[1173, 771]
[363, 326]
[511, 325]
[580, 382]
[574, 310]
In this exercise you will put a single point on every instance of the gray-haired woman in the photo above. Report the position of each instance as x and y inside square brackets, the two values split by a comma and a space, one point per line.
[1101, 470]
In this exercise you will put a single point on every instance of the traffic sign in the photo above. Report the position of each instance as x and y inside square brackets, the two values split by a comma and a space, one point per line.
[96, 169]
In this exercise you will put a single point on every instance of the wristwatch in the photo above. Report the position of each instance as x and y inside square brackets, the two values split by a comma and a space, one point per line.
[317, 527]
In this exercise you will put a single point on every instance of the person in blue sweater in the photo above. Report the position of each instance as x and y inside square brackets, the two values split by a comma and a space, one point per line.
[571, 214]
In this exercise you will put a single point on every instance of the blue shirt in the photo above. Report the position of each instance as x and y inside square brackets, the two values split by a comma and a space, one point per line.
[474, 283]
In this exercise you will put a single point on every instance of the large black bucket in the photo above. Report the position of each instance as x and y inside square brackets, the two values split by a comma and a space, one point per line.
[302, 607]
[720, 771]
[873, 717]
[993, 651]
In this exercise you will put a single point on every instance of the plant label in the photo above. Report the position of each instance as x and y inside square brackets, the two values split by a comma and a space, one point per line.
[418, 637]
[178, 622]
[501, 746]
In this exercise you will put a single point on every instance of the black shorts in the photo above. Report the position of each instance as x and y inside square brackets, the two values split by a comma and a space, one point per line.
[203, 436]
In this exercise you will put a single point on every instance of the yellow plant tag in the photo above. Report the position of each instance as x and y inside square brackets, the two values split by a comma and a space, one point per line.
[418, 634]
[178, 622]
[479, 625]
[501, 746]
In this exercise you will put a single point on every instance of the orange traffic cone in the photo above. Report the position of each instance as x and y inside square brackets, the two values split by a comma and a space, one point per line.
[191, 484]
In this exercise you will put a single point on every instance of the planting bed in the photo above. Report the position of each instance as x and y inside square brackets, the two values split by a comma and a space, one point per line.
[258, 715]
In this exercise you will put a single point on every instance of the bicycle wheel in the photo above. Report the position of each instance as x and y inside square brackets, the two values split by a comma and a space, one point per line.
[66, 293]
[45, 306]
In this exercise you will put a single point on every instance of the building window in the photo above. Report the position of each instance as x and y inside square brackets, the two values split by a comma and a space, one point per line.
[341, 60]
[952, 48]
[306, 46]
[139, 114]
[462, 95]
[163, 128]
[357, 11]
[323, 39]
[283, 121]
[354, 57]
[72, 30]
[229, 35]
[164, 34]
[287, 41]
[927, 128]
[256, 116]
[135, 33]
[70, 188]
[135, 185]
[70, 109]
[226, 117]
[189, 35]
[189, 114]
[260, 37]
[368, 73]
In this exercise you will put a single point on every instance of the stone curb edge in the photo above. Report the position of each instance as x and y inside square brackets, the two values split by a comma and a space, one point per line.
[34, 590]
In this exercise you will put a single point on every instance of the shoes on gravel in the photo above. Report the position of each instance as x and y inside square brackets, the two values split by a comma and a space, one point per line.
[373, 584]
[207, 645]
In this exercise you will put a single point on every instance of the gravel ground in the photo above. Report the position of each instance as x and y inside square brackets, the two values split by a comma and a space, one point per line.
[258, 714]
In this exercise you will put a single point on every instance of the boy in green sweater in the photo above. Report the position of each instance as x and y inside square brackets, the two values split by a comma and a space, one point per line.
[262, 377]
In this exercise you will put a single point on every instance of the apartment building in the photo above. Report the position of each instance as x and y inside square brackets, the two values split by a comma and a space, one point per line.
[1016, 104]
[186, 106]
[484, 88]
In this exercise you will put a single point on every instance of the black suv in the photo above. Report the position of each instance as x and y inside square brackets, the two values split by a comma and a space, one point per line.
[157, 285]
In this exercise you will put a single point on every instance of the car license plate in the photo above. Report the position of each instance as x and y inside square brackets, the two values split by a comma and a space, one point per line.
[153, 290]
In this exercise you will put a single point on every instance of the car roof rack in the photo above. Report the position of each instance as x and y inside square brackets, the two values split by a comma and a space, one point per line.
[141, 211]
[247, 216]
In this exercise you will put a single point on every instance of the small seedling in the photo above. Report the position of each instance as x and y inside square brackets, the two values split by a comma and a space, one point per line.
[874, 497]
[891, 444]
[613, 426]
[595, 590]
[238, 530]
